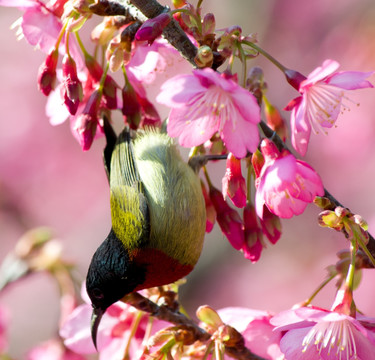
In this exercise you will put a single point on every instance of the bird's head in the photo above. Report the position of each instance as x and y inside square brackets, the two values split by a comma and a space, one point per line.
[110, 277]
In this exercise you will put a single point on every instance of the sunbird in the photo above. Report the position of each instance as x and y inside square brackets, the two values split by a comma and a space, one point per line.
[158, 219]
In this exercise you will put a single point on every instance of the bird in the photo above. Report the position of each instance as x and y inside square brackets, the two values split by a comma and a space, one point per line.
[158, 219]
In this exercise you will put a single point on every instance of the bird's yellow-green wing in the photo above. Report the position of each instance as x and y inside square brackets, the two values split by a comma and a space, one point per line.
[129, 208]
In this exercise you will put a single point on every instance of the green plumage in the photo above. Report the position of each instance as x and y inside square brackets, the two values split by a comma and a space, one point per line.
[150, 172]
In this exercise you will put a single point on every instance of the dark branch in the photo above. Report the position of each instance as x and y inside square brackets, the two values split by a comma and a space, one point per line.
[166, 314]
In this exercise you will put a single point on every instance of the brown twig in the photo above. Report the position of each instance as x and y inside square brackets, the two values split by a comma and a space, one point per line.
[164, 313]
[146, 9]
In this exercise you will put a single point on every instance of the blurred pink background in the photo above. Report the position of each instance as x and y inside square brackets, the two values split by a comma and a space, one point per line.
[45, 178]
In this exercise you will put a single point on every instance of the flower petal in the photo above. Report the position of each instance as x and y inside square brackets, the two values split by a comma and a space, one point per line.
[179, 90]
[321, 72]
[241, 139]
[190, 132]
[351, 80]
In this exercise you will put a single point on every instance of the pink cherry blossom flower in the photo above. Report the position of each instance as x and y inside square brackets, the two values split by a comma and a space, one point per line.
[207, 102]
[39, 24]
[321, 101]
[313, 333]
[286, 185]
[256, 329]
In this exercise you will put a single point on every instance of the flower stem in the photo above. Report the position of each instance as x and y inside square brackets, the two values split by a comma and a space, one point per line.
[61, 34]
[319, 288]
[266, 55]
[350, 275]
[80, 43]
[133, 329]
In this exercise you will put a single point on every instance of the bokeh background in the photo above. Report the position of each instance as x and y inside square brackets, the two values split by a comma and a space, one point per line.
[45, 178]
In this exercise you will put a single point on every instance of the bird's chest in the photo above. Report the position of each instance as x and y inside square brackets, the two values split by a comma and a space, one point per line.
[160, 268]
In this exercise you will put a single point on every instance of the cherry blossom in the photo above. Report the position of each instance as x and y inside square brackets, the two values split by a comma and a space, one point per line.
[321, 101]
[206, 102]
[286, 185]
[313, 333]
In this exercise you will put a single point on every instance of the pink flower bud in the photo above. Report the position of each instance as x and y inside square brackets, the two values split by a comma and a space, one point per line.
[271, 225]
[72, 90]
[228, 219]
[294, 78]
[130, 106]
[110, 86]
[153, 28]
[110, 93]
[274, 120]
[257, 160]
[234, 184]
[47, 72]
[86, 123]
[253, 234]
[208, 24]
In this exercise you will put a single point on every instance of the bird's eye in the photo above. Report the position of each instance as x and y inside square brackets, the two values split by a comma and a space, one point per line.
[97, 294]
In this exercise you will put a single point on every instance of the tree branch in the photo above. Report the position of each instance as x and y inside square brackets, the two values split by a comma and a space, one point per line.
[146, 9]
[166, 314]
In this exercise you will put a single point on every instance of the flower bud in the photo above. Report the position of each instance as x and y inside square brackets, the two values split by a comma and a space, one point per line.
[234, 184]
[72, 87]
[359, 220]
[47, 72]
[86, 123]
[204, 57]
[323, 202]
[271, 225]
[328, 218]
[209, 316]
[131, 108]
[253, 234]
[153, 28]
[255, 83]
[208, 24]
[274, 119]
[178, 3]
[228, 219]
[257, 160]
[294, 78]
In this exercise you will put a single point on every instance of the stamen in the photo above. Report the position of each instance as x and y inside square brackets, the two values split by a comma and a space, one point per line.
[337, 336]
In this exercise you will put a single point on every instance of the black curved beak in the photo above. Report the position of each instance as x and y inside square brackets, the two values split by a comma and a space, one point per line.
[96, 316]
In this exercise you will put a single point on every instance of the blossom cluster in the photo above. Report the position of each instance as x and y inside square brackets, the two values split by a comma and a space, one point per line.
[218, 114]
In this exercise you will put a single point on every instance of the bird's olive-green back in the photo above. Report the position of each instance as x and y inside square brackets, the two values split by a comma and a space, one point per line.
[156, 198]
[174, 196]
